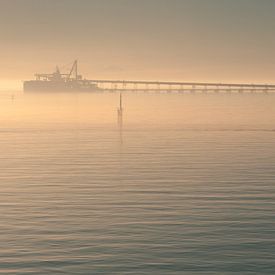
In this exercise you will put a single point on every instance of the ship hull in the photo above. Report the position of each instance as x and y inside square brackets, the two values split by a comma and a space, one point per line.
[56, 86]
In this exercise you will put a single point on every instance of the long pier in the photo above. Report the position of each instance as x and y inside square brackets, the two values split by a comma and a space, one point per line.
[74, 81]
[178, 87]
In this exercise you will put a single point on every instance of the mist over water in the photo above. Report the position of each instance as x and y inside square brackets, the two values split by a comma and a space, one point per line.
[185, 187]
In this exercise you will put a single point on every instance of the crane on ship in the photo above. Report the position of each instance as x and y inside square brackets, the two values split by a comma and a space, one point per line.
[74, 71]
[58, 76]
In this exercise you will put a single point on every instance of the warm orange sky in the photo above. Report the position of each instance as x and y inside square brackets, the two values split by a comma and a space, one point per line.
[204, 40]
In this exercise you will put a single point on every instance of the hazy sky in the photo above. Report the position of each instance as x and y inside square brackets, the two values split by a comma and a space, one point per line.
[209, 40]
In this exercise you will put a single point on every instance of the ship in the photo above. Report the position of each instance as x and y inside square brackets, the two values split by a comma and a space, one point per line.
[60, 82]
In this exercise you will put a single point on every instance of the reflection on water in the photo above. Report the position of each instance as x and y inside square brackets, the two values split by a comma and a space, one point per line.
[189, 191]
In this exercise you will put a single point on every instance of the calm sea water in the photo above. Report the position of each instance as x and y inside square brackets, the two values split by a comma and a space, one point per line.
[187, 186]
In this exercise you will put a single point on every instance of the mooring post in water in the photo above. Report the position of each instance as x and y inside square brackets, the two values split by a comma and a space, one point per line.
[120, 112]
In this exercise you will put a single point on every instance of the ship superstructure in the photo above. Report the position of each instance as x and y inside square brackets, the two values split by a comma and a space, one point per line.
[60, 82]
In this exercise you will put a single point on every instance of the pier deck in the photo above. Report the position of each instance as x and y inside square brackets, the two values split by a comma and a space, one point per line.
[178, 87]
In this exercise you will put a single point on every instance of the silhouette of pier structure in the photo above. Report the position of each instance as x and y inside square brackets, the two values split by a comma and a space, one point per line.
[72, 81]
[179, 87]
